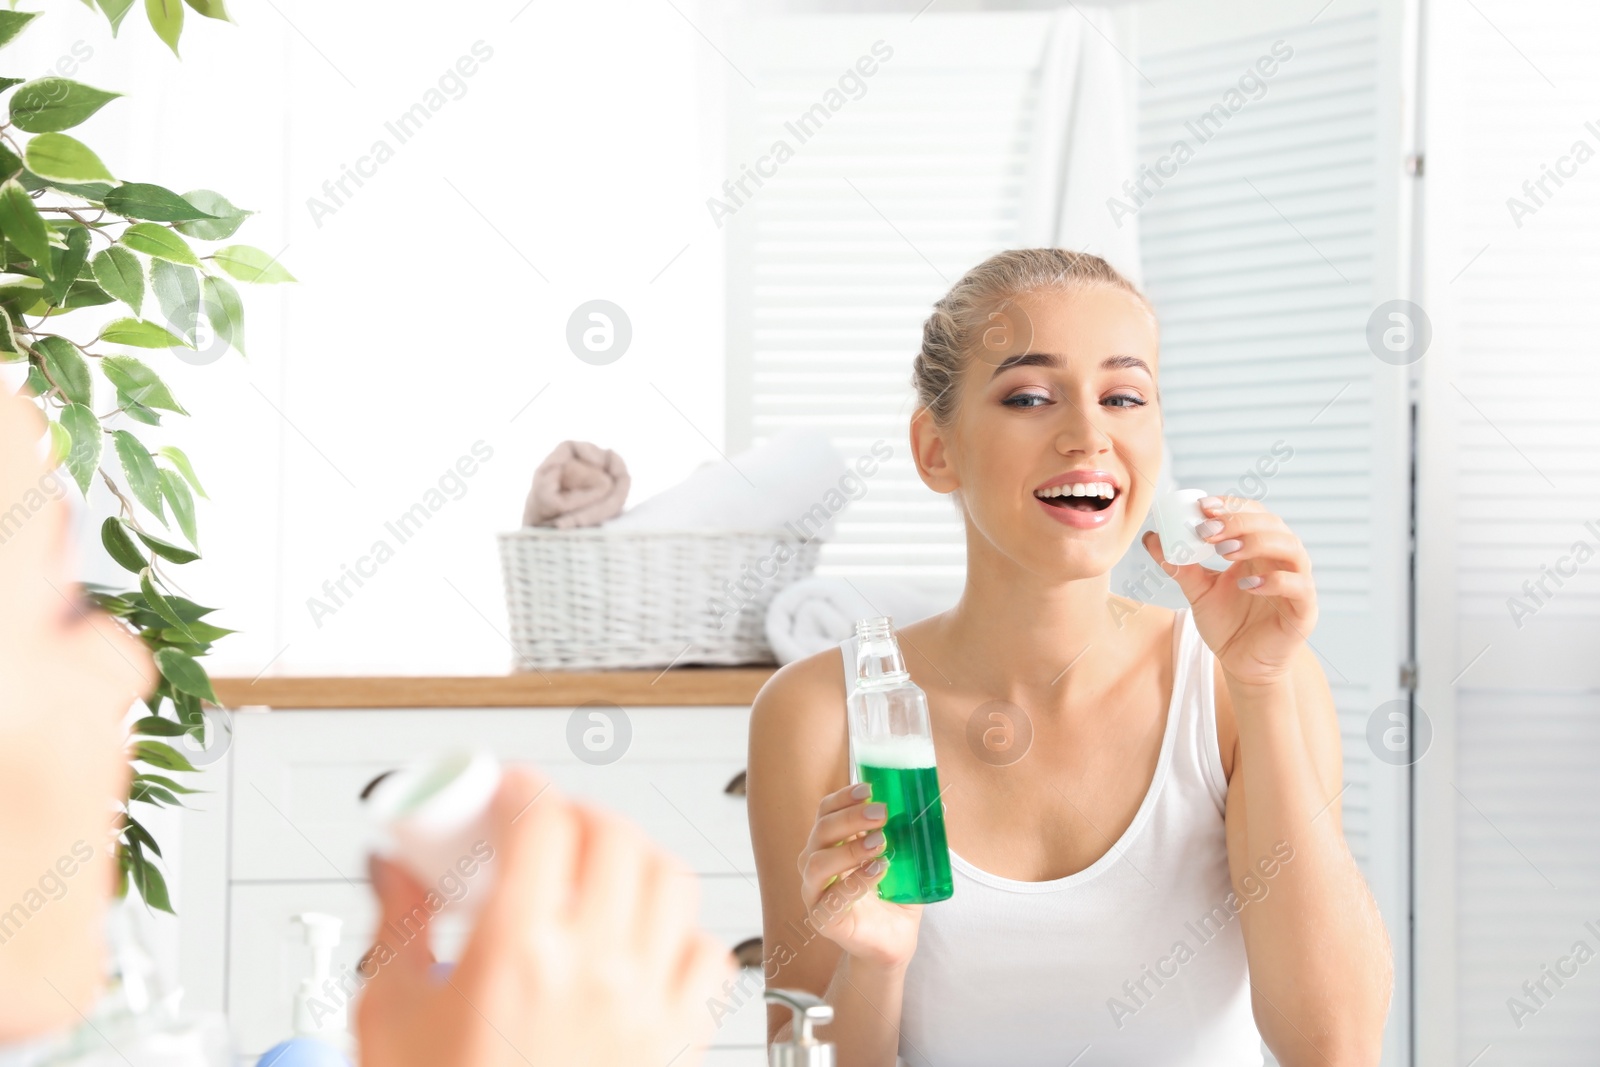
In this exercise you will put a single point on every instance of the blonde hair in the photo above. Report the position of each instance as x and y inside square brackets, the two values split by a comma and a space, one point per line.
[959, 318]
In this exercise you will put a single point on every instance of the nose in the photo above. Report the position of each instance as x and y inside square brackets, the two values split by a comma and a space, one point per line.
[1078, 433]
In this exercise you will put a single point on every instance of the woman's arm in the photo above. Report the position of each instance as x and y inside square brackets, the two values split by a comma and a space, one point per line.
[1320, 967]
[798, 761]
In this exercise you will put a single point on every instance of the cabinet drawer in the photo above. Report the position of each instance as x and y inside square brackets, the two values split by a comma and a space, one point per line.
[269, 956]
[298, 777]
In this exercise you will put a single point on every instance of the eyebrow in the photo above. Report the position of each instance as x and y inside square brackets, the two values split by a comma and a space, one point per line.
[1045, 359]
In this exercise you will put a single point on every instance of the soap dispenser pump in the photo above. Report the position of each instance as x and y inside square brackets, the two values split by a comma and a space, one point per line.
[321, 1020]
[803, 1049]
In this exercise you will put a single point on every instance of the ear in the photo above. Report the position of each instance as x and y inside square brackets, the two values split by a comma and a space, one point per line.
[929, 451]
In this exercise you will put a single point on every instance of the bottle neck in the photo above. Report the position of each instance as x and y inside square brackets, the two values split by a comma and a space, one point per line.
[878, 659]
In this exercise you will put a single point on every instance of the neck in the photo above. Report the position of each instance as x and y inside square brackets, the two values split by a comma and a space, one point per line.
[1012, 633]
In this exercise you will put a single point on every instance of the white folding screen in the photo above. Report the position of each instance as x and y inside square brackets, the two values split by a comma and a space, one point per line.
[1509, 531]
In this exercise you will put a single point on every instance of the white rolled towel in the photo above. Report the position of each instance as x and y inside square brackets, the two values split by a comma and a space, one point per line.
[795, 479]
[816, 613]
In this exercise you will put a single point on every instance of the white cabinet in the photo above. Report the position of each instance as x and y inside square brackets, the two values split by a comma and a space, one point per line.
[296, 838]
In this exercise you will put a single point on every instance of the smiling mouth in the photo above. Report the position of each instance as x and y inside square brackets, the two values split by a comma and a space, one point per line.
[1083, 496]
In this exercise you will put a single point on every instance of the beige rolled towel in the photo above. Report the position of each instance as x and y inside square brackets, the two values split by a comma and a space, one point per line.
[578, 484]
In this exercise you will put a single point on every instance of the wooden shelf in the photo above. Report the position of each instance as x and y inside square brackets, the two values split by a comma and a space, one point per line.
[678, 686]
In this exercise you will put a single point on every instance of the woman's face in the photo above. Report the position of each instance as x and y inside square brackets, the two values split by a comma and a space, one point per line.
[1065, 385]
[67, 677]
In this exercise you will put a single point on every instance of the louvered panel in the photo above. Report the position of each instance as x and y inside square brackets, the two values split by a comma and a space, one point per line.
[1520, 388]
[834, 296]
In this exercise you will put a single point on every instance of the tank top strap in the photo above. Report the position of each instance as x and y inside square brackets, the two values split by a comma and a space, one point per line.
[1197, 757]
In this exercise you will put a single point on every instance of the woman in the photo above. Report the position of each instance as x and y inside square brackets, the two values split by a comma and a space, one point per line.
[586, 950]
[1161, 878]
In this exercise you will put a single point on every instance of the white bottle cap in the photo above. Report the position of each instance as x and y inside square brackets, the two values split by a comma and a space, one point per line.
[435, 814]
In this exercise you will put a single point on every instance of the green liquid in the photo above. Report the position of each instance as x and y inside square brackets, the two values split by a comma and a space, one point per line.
[914, 844]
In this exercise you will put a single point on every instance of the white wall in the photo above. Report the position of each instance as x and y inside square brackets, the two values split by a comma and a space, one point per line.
[589, 138]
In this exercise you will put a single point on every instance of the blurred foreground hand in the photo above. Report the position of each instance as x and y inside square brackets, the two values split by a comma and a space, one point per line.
[586, 951]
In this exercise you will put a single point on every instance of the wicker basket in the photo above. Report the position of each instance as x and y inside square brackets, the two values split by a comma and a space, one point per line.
[591, 598]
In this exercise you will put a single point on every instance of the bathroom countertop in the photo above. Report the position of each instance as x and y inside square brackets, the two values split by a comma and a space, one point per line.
[627, 688]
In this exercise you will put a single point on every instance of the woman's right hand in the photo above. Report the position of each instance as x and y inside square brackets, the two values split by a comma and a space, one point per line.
[840, 887]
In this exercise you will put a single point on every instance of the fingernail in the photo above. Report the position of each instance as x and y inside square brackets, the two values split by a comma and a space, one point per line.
[876, 866]
[861, 790]
[1209, 528]
[1250, 581]
[1232, 544]
[876, 812]
[1211, 501]
[873, 841]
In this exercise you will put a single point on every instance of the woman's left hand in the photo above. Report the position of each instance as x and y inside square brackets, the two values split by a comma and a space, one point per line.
[1255, 615]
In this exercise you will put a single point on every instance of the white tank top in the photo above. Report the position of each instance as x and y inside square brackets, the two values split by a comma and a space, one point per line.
[1136, 960]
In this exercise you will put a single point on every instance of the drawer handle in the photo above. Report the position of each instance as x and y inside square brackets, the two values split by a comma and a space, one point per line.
[735, 787]
[747, 953]
[370, 786]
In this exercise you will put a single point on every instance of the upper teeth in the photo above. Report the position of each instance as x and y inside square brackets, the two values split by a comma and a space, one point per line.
[1105, 489]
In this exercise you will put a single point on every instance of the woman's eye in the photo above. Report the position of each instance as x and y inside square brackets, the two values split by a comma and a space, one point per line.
[1131, 401]
[1024, 400]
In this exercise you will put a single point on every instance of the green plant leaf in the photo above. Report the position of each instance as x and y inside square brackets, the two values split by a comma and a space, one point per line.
[116, 11]
[227, 218]
[156, 726]
[164, 782]
[141, 471]
[66, 263]
[13, 23]
[114, 536]
[67, 368]
[22, 225]
[160, 242]
[177, 290]
[134, 831]
[154, 794]
[175, 455]
[184, 673]
[84, 459]
[225, 310]
[60, 443]
[153, 888]
[157, 602]
[251, 265]
[166, 18]
[119, 273]
[83, 295]
[139, 383]
[167, 550]
[158, 753]
[140, 333]
[10, 165]
[10, 350]
[176, 490]
[139, 200]
[63, 158]
[137, 411]
[6, 83]
[48, 105]
[211, 9]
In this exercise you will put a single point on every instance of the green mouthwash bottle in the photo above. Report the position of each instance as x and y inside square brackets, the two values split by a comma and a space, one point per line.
[891, 746]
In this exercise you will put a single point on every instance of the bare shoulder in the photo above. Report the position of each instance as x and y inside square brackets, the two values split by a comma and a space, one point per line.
[799, 716]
